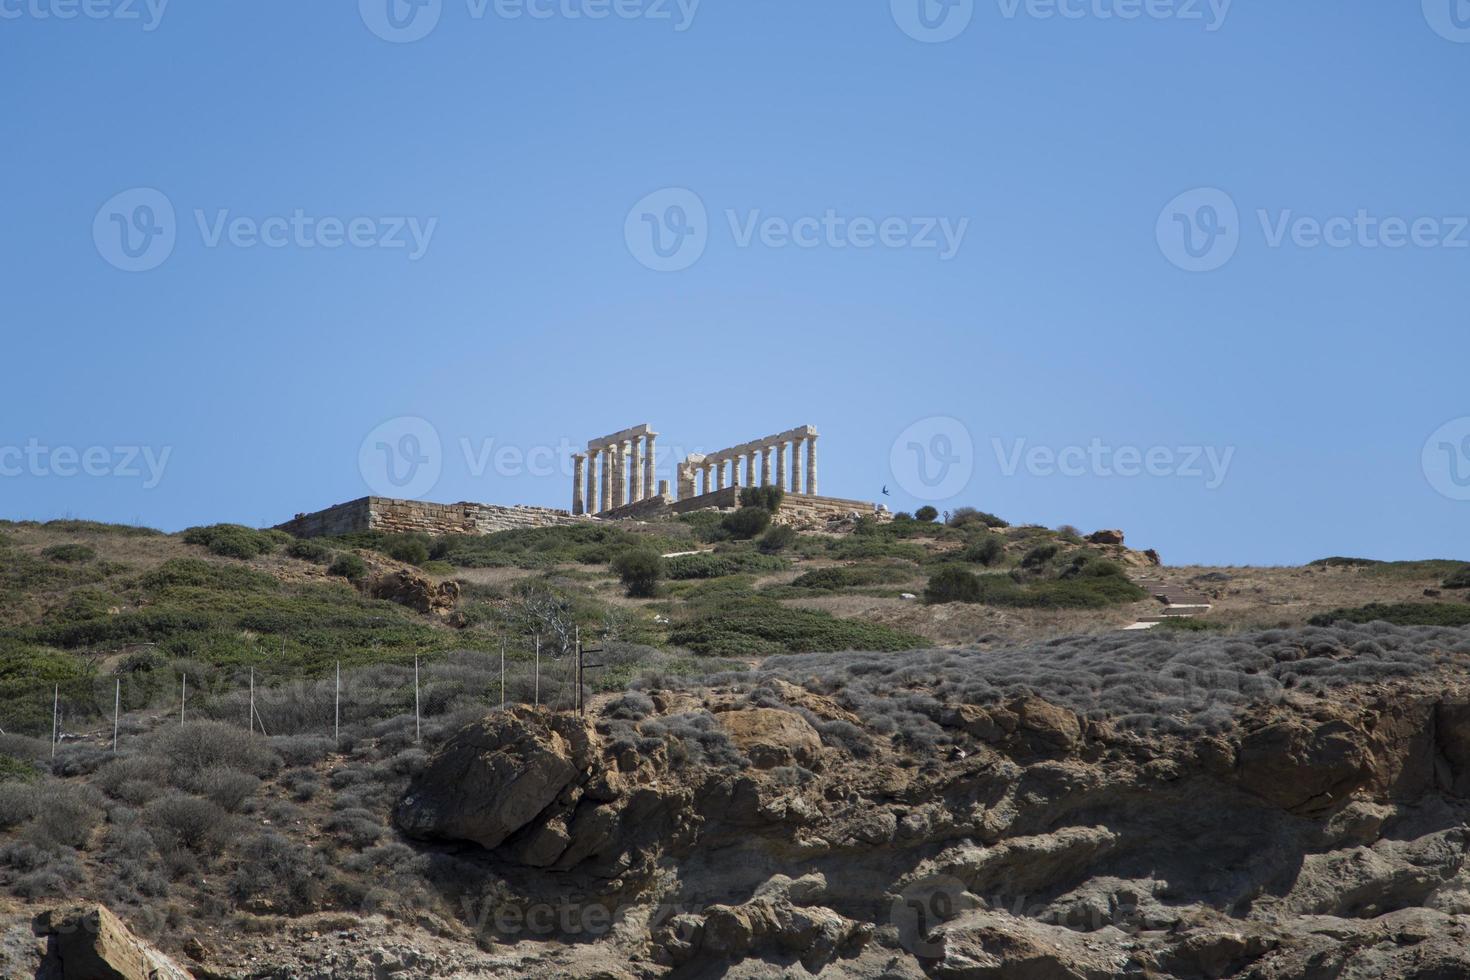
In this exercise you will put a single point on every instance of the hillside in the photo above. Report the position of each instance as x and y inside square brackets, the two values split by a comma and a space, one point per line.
[997, 784]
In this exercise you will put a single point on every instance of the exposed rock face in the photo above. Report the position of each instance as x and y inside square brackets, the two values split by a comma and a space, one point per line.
[1106, 537]
[88, 942]
[1319, 837]
[415, 591]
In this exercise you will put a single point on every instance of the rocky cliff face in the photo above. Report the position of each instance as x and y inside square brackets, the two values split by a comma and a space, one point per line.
[769, 825]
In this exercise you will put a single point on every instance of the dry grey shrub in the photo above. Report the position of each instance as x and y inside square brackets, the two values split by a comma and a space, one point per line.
[1184, 683]
[17, 804]
[67, 813]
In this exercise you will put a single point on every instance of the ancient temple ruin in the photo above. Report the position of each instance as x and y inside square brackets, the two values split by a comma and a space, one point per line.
[615, 479]
[628, 460]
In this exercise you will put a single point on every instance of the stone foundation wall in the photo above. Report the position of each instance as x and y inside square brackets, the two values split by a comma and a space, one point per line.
[801, 510]
[417, 516]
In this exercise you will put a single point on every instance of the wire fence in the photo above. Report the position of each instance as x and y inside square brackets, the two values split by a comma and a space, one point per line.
[103, 711]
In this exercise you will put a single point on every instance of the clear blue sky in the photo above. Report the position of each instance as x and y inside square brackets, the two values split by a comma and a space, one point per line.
[1062, 320]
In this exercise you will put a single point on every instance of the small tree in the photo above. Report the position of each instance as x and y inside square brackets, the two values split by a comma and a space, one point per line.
[987, 551]
[777, 539]
[768, 497]
[349, 567]
[747, 522]
[640, 571]
[927, 514]
[952, 585]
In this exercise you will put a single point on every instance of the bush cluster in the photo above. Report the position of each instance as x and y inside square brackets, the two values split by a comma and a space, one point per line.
[236, 540]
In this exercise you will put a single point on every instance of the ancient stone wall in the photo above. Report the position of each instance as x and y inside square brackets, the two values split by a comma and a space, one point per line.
[416, 516]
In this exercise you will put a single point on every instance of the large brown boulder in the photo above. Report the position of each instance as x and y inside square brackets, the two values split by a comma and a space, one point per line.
[496, 776]
[1106, 537]
[88, 942]
[417, 592]
[771, 737]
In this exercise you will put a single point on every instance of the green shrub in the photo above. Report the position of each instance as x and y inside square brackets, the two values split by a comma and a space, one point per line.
[856, 576]
[640, 572]
[1082, 592]
[1037, 557]
[1340, 562]
[968, 516]
[546, 547]
[411, 549]
[1400, 614]
[758, 626]
[952, 585]
[17, 770]
[1459, 579]
[777, 539]
[989, 550]
[766, 498]
[235, 540]
[350, 567]
[926, 514]
[198, 573]
[720, 564]
[70, 553]
[312, 551]
[747, 522]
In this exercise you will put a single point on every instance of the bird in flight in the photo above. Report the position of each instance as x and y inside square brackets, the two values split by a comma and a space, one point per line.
[885, 491]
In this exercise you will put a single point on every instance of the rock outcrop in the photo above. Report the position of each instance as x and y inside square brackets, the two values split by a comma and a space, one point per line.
[88, 942]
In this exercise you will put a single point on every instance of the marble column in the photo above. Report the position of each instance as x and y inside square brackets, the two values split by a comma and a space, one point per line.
[795, 466]
[750, 470]
[766, 466]
[635, 493]
[811, 466]
[780, 450]
[591, 481]
[604, 496]
[735, 472]
[720, 475]
[709, 477]
[579, 470]
[649, 466]
[620, 475]
[686, 481]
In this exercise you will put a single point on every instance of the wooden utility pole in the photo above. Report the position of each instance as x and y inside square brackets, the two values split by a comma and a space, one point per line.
[337, 708]
[418, 730]
[538, 670]
[502, 675]
[116, 711]
[252, 701]
[55, 719]
[183, 697]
